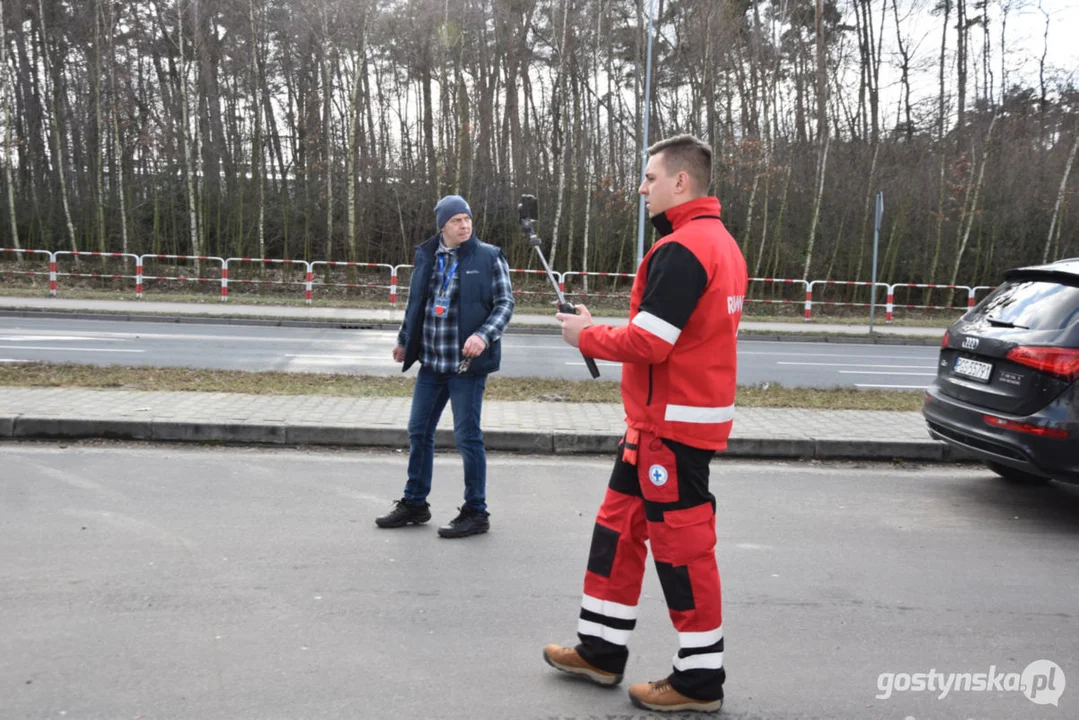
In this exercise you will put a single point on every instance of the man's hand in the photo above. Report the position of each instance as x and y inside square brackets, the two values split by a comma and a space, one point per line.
[573, 324]
[474, 346]
[399, 354]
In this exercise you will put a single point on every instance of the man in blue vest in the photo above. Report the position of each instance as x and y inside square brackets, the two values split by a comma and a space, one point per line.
[460, 291]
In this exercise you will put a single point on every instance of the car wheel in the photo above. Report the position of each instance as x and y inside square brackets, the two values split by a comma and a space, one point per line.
[1016, 476]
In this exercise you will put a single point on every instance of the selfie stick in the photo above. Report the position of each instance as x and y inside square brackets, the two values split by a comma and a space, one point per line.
[528, 226]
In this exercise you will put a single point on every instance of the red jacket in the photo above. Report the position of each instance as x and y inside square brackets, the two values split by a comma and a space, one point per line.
[679, 351]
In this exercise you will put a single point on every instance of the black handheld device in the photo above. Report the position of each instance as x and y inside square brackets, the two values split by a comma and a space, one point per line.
[528, 210]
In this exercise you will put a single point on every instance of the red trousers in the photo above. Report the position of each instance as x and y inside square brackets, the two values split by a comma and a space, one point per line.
[658, 493]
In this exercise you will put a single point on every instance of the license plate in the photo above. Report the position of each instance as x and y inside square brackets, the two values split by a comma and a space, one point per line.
[973, 369]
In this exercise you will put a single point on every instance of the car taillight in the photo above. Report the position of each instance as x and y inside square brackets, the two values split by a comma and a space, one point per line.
[944, 340]
[1062, 362]
[1038, 430]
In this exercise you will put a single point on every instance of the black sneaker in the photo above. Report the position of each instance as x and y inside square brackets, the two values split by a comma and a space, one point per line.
[468, 522]
[404, 514]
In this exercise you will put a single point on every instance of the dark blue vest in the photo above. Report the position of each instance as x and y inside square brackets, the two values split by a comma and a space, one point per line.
[475, 298]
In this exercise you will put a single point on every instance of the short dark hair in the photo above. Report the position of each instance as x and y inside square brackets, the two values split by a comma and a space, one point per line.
[687, 153]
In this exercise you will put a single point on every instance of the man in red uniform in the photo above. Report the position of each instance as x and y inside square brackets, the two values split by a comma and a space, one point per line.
[678, 356]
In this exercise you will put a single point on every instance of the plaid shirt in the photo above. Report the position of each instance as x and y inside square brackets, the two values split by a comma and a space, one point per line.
[441, 349]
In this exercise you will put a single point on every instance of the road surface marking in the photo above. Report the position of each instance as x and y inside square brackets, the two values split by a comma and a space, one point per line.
[906, 367]
[350, 358]
[67, 349]
[885, 372]
[599, 363]
[893, 387]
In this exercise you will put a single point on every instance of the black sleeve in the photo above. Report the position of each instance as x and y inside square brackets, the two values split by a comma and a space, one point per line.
[674, 283]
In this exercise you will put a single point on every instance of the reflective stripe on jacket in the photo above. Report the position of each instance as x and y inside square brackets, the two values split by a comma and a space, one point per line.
[679, 350]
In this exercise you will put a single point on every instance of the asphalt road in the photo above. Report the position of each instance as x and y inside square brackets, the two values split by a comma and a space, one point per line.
[245, 347]
[245, 583]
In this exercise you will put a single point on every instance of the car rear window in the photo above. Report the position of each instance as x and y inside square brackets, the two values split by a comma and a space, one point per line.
[1034, 304]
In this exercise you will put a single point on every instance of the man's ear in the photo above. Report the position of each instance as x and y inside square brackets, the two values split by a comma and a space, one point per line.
[682, 184]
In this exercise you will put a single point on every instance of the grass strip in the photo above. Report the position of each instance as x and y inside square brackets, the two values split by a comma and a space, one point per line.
[69, 375]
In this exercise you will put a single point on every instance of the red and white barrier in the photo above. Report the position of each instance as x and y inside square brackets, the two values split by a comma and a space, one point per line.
[849, 283]
[306, 282]
[528, 271]
[971, 300]
[55, 274]
[777, 281]
[392, 287]
[890, 308]
[19, 252]
[196, 278]
[576, 273]
[309, 283]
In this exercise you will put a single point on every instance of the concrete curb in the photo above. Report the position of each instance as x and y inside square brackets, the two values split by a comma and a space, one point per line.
[518, 329]
[27, 427]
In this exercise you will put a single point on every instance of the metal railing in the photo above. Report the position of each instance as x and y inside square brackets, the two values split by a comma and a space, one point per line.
[570, 276]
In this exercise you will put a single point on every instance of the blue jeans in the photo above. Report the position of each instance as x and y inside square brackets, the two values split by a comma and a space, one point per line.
[429, 398]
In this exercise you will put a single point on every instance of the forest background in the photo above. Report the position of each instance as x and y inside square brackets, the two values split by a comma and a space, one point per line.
[327, 129]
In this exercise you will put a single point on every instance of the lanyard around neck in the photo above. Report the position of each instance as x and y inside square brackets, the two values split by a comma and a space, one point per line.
[447, 277]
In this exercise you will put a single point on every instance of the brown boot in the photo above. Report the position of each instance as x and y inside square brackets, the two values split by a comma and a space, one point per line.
[659, 696]
[568, 660]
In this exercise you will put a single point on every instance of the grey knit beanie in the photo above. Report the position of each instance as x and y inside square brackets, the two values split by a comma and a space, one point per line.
[449, 206]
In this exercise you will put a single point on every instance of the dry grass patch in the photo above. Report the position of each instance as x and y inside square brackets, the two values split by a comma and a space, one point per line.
[341, 385]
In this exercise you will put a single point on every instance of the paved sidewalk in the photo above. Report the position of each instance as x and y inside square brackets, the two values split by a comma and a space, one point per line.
[531, 427]
[218, 312]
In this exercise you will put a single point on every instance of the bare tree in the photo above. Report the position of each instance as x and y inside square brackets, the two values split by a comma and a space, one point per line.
[562, 139]
[56, 123]
[905, 55]
[1054, 225]
[121, 185]
[9, 156]
[822, 165]
[258, 159]
[187, 131]
[970, 213]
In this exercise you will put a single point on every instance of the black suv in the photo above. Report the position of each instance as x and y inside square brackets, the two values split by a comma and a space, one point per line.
[1007, 385]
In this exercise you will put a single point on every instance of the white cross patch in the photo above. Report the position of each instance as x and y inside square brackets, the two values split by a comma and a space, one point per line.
[658, 475]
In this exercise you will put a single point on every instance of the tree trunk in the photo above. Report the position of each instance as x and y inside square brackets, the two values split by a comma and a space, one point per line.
[747, 235]
[822, 85]
[121, 188]
[56, 133]
[961, 69]
[355, 126]
[779, 221]
[258, 163]
[9, 157]
[189, 162]
[865, 212]
[942, 111]
[327, 130]
[464, 150]
[1053, 225]
[33, 151]
[576, 134]
[822, 166]
[1043, 105]
[904, 53]
[428, 126]
[562, 139]
[100, 131]
[971, 213]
